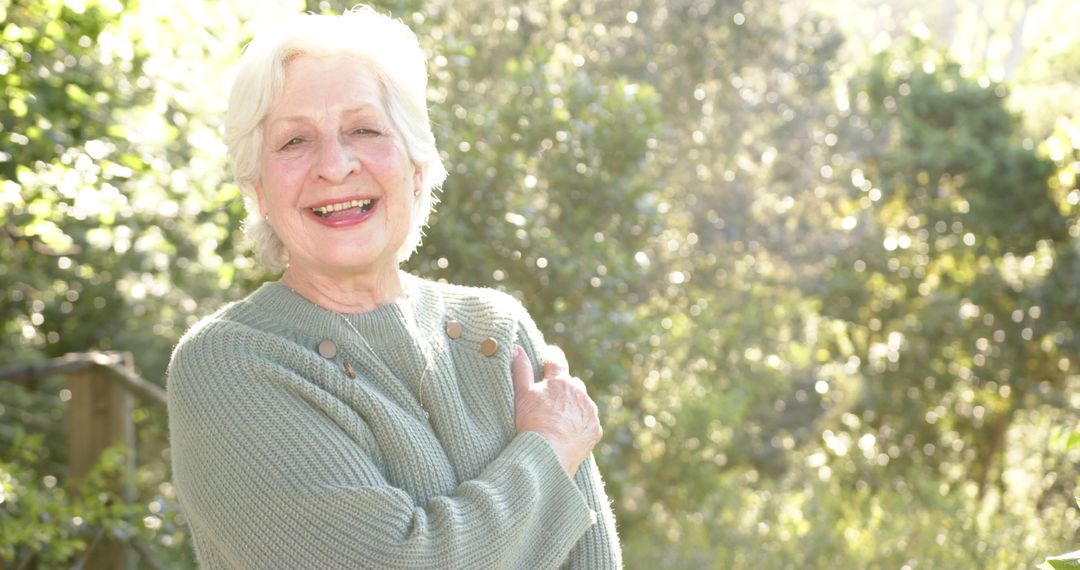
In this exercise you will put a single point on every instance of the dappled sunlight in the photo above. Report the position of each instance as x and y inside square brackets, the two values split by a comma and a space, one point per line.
[817, 263]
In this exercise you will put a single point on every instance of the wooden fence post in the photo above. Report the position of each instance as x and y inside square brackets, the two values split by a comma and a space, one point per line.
[100, 416]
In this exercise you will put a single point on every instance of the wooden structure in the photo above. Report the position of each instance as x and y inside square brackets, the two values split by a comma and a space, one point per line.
[102, 386]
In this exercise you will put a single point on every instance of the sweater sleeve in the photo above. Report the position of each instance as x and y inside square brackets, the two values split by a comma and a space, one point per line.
[599, 547]
[270, 481]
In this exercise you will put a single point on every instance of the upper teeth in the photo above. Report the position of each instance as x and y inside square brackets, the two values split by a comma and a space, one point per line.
[330, 208]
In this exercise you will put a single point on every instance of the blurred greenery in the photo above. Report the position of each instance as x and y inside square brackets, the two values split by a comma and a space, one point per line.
[818, 265]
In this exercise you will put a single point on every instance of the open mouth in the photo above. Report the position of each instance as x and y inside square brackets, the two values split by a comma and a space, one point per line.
[350, 208]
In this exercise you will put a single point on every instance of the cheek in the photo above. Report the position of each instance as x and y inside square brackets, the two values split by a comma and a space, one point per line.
[382, 159]
[394, 172]
[278, 176]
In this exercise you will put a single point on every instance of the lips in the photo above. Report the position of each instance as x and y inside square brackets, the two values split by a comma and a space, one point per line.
[344, 213]
[342, 209]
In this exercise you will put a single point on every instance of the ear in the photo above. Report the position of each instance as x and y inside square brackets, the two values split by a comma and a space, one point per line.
[263, 210]
[418, 179]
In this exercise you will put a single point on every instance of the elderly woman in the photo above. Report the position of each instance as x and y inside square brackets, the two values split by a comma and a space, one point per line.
[351, 415]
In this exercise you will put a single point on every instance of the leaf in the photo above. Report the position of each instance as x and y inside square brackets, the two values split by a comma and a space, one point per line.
[1070, 561]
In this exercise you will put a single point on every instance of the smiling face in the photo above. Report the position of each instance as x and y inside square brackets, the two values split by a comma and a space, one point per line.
[335, 179]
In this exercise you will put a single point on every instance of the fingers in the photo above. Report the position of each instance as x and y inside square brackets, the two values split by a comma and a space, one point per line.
[555, 367]
[555, 363]
[521, 370]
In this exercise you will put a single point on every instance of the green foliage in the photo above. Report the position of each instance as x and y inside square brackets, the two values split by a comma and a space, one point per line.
[46, 524]
[104, 244]
[945, 187]
[956, 134]
[1070, 561]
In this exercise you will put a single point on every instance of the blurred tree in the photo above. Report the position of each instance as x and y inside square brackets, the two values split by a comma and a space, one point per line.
[723, 388]
[958, 230]
[111, 222]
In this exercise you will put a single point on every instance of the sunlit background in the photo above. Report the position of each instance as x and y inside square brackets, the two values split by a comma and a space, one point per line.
[817, 261]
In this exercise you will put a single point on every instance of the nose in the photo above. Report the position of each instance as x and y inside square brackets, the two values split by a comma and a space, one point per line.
[335, 161]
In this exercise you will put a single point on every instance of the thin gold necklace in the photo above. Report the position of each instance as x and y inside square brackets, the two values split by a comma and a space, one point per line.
[348, 368]
[423, 375]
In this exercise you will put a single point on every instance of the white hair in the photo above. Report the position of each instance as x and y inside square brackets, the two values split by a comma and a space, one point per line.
[391, 51]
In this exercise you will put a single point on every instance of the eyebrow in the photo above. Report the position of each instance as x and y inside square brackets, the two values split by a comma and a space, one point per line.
[362, 108]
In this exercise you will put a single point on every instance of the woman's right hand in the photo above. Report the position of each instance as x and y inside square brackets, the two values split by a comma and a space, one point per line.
[557, 407]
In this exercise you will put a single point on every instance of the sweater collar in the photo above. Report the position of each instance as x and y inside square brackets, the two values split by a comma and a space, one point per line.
[279, 306]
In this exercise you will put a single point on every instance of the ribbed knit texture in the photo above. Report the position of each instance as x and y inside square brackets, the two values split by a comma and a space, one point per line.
[280, 460]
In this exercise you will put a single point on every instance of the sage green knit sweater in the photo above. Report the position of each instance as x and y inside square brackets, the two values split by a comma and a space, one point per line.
[282, 460]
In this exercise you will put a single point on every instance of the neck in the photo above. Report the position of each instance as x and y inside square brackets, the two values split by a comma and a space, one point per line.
[354, 294]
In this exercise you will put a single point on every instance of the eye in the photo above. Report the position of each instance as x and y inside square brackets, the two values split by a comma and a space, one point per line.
[292, 142]
[365, 132]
